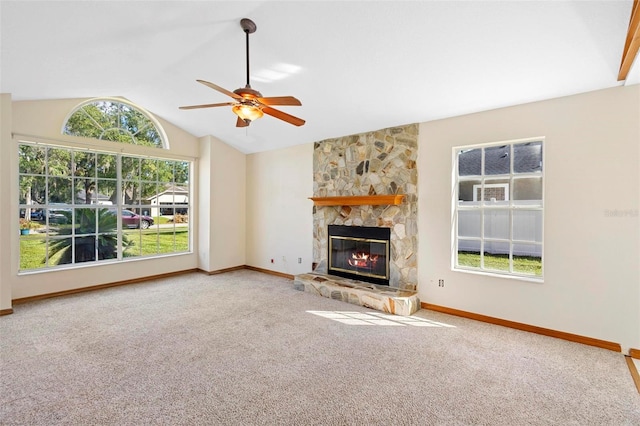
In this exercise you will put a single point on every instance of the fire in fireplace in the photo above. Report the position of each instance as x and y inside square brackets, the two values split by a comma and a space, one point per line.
[360, 253]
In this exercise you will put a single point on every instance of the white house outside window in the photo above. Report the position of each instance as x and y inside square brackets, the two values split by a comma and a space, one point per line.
[498, 226]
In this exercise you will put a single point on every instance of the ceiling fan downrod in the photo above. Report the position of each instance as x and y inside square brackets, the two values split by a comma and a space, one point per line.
[249, 27]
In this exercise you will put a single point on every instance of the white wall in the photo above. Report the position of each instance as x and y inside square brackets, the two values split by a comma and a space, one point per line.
[591, 259]
[44, 120]
[222, 183]
[6, 215]
[279, 213]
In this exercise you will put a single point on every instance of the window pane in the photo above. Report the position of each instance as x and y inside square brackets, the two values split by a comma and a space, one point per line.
[182, 212]
[85, 248]
[181, 221]
[496, 160]
[107, 220]
[149, 192]
[469, 223]
[85, 221]
[32, 190]
[86, 191]
[84, 164]
[60, 251]
[107, 246]
[107, 166]
[496, 255]
[131, 192]
[39, 190]
[469, 253]
[166, 170]
[60, 190]
[496, 224]
[495, 192]
[58, 216]
[182, 238]
[130, 168]
[58, 162]
[527, 259]
[149, 169]
[467, 191]
[32, 251]
[469, 162]
[527, 157]
[150, 136]
[150, 241]
[527, 191]
[527, 225]
[106, 190]
[132, 241]
[166, 238]
[182, 173]
[32, 159]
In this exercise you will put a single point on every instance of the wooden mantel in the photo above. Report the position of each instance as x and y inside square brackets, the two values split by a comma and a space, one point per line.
[359, 200]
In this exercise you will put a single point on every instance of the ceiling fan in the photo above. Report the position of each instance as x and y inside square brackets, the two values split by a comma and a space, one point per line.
[249, 104]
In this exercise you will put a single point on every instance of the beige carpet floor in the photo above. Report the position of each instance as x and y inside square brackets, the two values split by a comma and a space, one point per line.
[244, 348]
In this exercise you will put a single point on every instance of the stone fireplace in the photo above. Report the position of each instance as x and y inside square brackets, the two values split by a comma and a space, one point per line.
[375, 163]
[368, 165]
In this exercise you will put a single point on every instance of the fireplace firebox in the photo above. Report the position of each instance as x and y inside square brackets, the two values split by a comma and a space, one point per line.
[360, 253]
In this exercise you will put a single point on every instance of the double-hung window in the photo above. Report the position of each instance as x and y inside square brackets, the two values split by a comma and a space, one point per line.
[498, 208]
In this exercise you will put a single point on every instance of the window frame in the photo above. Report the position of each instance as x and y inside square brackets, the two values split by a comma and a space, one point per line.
[119, 206]
[509, 205]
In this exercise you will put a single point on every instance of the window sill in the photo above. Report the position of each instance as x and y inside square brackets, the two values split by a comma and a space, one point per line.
[496, 274]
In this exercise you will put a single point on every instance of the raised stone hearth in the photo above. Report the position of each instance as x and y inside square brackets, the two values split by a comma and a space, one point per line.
[382, 298]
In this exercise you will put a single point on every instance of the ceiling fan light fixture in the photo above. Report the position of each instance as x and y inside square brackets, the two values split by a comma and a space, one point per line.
[247, 113]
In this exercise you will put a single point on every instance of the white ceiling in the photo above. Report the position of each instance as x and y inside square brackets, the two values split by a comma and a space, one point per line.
[356, 66]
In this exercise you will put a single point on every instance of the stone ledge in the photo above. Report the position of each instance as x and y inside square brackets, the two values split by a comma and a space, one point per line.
[382, 298]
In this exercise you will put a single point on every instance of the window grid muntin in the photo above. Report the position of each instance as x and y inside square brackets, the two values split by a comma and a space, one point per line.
[511, 206]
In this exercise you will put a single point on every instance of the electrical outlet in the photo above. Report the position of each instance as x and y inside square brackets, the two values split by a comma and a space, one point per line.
[440, 283]
[299, 260]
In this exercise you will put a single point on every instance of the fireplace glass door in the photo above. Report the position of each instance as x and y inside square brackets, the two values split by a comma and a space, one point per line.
[358, 256]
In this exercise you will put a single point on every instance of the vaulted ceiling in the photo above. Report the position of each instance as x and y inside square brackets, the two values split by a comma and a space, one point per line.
[355, 65]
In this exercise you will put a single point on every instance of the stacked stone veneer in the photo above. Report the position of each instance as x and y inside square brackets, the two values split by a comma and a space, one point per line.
[375, 163]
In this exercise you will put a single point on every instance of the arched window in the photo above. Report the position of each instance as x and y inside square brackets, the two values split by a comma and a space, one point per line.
[115, 120]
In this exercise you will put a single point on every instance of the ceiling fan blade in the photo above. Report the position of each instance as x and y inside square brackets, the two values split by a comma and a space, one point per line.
[219, 89]
[283, 116]
[207, 105]
[280, 100]
[241, 123]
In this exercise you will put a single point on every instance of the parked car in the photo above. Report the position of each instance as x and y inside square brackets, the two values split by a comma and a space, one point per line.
[134, 220]
[37, 214]
[129, 218]
[61, 216]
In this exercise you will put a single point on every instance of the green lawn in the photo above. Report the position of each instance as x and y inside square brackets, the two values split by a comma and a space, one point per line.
[150, 241]
[500, 262]
[143, 243]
